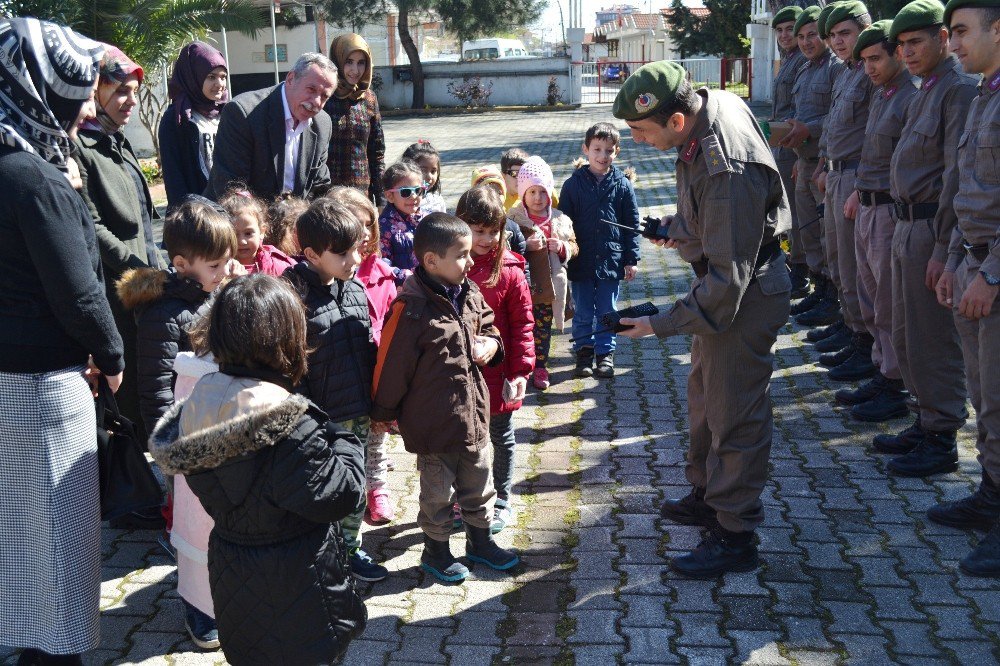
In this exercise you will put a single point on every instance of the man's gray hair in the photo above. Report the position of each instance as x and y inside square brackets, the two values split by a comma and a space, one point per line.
[310, 58]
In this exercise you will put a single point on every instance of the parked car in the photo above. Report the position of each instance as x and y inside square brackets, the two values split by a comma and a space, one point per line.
[615, 72]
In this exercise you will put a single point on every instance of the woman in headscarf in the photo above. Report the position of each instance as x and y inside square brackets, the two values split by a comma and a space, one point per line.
[198, 89]
[116, 192]
[357, 150]
[55, 328]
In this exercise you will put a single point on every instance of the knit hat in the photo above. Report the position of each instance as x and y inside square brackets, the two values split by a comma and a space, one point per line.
[649, 86]
[916, 15]
[489, 175]
[823, 15]
[535, 172]
[809, 15]
[844, 11]
[786, 14]
[972, 4]
[876, 33]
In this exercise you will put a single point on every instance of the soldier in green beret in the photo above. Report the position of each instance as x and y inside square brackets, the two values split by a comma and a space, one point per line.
[731, 210]
[811, 92]
[884, 396]
[782, 107]
[848, 345]
[970, 284]
[923, 179]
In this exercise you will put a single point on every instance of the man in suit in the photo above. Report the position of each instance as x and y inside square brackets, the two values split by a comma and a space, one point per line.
[277, 139]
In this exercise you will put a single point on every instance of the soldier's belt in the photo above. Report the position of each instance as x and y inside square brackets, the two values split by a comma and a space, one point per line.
[767, 253]
[874, 198]
[842, 165]
[919, 211]
[979, 252]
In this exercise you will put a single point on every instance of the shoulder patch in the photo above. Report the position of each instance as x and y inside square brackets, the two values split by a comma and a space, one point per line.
[994, 83]
[715, 157]
[930, 81]
[690, 150]
[890, 91]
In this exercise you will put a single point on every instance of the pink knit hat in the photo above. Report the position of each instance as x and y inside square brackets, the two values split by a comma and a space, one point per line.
[535, 172]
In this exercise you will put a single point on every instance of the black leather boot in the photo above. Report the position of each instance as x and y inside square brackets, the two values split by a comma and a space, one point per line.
[823, 332]
[863, 393]
[719, 551]
[890, 403]
[937, 454]
[813, 299]
[439, 562]
[826, 312]
[584, 362]
[859, 364]
[902, 442]
[833, 343]
[979, 511]
[689, 510]
[984, 560]
[480, 547]
[800, 280]
[834, 358]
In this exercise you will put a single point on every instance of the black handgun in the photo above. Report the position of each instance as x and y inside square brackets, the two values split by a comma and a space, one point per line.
[650, 228]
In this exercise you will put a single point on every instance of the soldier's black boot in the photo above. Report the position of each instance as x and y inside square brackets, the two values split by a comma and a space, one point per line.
[438, 561]
[859, 364]
[937, 454]
[979, 511]
[480, 547]
[902, 442]
[823, 332]
[689, 510]
[867, 391]
[832, 359]
[890, 403]
[834, 343]
[584, 362]
[826, 312]
[719, 551]
[813, 299]
[800, 280]
[984, 560]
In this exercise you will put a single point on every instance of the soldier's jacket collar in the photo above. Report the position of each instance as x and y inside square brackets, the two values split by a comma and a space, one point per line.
[987, 88]
[947, 64]
[821, 60]
[893, 87]
[702, 121]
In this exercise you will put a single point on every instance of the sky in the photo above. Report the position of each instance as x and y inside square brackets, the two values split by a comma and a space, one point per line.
[550, 18]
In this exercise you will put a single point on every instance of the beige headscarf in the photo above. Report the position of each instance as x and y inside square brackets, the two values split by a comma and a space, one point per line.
[341, 47]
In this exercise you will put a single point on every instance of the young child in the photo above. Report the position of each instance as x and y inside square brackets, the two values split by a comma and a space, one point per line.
[281, 216]
[550, 244]
[437, 338]
[490, 176]
[499, 274]
[250, 221]
[404, 189]
[341, 351]
[380, 290]
[274, 475]
[200, 242]
[426, 156]
[510, 163]
[599, 191]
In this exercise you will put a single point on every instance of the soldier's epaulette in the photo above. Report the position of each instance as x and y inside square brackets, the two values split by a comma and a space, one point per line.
[715, 157]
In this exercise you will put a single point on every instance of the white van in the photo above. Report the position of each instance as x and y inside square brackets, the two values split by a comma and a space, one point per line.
[493, 49]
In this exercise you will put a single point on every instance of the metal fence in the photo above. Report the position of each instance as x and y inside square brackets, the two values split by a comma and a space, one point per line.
[601, 81]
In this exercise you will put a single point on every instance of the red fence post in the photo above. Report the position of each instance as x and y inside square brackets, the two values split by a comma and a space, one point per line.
[722, 73]
[749, 62]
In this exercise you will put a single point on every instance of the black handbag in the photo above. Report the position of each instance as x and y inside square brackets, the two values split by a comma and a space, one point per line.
[127, 481]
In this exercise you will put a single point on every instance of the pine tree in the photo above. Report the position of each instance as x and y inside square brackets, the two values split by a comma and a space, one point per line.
[684, 29]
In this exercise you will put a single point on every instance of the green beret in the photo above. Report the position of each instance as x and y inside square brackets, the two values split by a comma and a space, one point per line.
[960, 4]
[649, 86]
[823, 15]
[808, 15]
[876, 33]
[844, 11]
[786, 14]
[916, 15]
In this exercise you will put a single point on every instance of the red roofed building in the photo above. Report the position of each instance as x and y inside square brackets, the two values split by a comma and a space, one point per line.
[640, 37]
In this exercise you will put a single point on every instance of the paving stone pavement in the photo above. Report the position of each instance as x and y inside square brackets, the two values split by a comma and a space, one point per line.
[853, 572]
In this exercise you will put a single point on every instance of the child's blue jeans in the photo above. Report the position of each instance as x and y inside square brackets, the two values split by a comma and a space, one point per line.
[593, 298]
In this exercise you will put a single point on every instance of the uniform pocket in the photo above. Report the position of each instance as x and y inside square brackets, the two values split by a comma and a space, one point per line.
[819, 94]
[774, 279]
[848, 108]
[927, 125]
[988, 155]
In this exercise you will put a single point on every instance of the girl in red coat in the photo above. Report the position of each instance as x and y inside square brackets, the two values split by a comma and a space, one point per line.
[249, 218]
[499, 274]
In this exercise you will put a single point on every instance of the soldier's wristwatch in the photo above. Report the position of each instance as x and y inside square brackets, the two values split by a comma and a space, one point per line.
[991, 280]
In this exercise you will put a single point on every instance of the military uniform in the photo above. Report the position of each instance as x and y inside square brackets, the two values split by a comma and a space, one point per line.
[783, 108]
[923, 182]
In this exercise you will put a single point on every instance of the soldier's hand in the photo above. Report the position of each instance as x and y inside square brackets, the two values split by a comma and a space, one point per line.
[820, 180]
[630, 272]
[795, 171]
[945, 288]
[934, 271]
[851, 206]
[977, 301]
[796, 136]
[665, 222]
[640, 327]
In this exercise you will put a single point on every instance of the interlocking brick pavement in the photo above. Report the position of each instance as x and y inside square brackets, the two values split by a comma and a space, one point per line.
[853, 571]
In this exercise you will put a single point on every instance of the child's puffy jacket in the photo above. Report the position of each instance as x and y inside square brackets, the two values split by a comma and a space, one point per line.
[380, 289]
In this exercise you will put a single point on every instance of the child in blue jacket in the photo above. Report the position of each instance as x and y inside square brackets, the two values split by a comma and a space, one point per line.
[599, 191]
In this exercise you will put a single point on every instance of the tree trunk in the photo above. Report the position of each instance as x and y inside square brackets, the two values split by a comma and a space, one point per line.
[411, 51]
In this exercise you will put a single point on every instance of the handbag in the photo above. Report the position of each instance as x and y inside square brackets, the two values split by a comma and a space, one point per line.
[127, 481]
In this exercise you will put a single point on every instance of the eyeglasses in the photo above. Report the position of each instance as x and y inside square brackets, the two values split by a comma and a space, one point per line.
[407, 192]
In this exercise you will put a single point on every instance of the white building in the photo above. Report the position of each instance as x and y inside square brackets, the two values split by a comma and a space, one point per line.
[638, 37]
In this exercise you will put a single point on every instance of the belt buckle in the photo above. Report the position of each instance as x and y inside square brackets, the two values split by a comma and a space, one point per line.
[968, 246]
[899, 210]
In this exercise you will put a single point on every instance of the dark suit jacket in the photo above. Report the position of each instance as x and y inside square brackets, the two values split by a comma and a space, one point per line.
[250, 147]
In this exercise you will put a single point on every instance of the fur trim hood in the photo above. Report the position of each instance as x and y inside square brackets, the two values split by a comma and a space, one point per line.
[139, 287]
[210, 448]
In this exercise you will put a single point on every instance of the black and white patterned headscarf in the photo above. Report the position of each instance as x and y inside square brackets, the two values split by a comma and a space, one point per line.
[47, 71]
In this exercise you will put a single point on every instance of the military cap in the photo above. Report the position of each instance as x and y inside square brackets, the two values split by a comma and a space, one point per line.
[915, 16]
[786, 14]
[844, 11]
[823, 15]
[649, 86]
[962, 4]
[876, 33]
[808, 15]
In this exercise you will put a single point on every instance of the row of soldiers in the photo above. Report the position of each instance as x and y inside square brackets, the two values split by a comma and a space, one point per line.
[893, 154]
